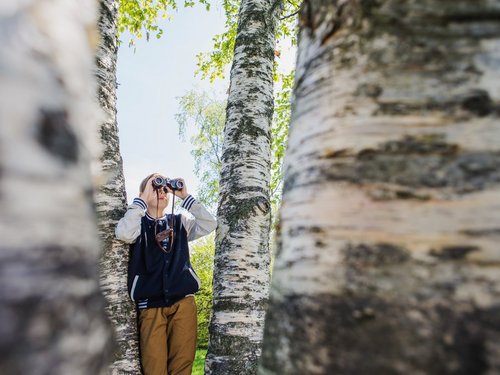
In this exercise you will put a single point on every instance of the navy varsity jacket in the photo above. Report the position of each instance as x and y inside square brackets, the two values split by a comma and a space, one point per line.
[157, 278]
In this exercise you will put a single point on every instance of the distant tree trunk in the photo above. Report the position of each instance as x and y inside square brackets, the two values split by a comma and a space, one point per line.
[111, 201]
[52, 318]
[388, 256]
[241, 274]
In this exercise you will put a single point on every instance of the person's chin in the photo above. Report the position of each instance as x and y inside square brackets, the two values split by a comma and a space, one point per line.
[160, 206]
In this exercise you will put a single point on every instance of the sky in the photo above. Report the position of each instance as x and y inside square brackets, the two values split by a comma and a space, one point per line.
[151, 78]
[150, 81]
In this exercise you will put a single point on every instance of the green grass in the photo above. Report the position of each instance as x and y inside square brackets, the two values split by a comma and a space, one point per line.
[199, 362]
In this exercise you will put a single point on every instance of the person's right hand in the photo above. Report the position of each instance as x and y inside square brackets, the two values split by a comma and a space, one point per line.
[149, 194]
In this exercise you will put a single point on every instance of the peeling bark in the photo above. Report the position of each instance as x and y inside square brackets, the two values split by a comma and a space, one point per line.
[52, 318]
[387, 258]
[241, 274]
[111, 202]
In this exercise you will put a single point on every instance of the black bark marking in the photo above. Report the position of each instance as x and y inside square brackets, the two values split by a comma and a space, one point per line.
[409, 194]
[228, 304]
[384, 194]
[478, 102]
[369, 335]
[473, 16]
[429, 166]
[61, 309]
[481, 232]
[369, 90]
[319, 243]
[453, 252]
[246, 126]
[240, 210]
[314, 14]
[305, 15]
[367, 256]
[301, 230]
[332, 154]
[55, 134]
[422, 145]
[241, 363]
[425, 161]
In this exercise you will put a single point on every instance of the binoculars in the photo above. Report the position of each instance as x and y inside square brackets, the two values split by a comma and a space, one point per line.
[160, 182]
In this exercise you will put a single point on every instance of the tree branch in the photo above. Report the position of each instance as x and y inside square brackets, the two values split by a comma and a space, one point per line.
[290, 15]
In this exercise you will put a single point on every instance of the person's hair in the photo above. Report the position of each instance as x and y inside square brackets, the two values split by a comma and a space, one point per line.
[142, 186]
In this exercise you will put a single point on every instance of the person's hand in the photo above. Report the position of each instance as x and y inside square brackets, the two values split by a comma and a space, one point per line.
[183, 193]
[149, 194]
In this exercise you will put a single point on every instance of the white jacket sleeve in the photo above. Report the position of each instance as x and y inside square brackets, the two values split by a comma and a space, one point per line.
[203, 222]
[129, 226]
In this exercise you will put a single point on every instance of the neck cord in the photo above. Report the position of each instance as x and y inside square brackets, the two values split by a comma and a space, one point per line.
[172, 222]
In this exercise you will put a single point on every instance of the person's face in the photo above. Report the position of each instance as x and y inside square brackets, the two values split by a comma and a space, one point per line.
[162, 195]
[156, 198]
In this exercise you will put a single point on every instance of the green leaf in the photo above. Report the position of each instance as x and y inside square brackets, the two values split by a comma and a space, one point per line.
[140, 17]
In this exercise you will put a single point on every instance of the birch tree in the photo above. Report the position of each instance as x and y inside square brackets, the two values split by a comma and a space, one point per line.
[241, 274]
[139, 19]
[52, 319]
[388, 258]
[111, 201]
[213, 65]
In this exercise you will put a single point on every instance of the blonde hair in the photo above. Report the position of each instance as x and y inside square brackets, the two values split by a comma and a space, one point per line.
[142, 186]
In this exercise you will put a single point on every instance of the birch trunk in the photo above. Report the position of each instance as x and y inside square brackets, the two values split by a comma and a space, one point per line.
[388, 259]
[52, 318]
[241, 273]
[111, 202]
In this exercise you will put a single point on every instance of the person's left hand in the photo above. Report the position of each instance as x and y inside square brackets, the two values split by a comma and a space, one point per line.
[183, 193]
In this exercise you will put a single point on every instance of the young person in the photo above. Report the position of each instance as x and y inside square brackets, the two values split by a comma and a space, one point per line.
[161, 280]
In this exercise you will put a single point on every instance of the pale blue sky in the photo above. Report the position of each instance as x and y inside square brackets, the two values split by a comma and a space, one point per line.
[149, 83]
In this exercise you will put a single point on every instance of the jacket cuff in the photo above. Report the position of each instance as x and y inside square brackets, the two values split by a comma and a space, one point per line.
[188, 202]
[139, 202]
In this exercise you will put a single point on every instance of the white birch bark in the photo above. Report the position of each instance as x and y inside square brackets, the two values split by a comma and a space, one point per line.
[52, 319]
[241, 274]
[388, 256]
[111, 202]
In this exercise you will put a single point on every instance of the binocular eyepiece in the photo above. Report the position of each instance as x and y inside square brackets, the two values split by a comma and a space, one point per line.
[160, 182]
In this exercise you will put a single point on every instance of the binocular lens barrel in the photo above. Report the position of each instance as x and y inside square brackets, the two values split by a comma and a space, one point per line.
[159, 182]
[176, 184]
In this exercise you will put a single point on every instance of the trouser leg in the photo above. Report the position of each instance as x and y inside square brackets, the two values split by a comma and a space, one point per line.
[182, 335]
[153, 341]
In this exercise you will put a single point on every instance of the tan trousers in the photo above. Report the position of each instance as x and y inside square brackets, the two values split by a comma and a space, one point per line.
[168, 338]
